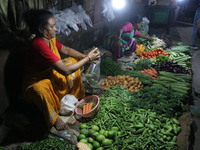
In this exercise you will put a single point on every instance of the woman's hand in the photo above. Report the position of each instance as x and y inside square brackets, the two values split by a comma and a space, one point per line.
[94, 54]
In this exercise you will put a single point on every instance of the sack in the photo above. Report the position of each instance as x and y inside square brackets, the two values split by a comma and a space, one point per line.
[67, 104]
[145, 25]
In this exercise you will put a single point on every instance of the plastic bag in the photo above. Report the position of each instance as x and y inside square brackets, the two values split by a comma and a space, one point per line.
[152, 2]
[67, 104]
[145, 25]
[93, 73]
[65, 30]
[71, 17]
[108, 10]
[83, 18]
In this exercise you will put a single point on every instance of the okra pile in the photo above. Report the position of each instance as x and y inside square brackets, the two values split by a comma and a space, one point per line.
[140, 129]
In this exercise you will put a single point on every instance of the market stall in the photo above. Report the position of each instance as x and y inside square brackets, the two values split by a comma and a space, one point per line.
[142, 106]
[138, 104]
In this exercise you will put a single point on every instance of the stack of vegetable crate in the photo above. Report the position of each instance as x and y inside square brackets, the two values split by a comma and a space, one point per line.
[144, 117]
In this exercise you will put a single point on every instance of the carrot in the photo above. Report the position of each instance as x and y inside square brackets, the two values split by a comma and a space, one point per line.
[142, 71]
[149, 72]
[153, 74]
[87, 108]
[153, 70]
[90, 107]
[84, 108]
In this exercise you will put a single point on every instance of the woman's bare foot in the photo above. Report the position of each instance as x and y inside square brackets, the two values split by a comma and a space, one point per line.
[60, 124]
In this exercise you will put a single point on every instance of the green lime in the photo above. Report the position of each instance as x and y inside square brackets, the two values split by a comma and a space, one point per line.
[106, 134]
[83, 126]
[99, 148]
[101, 131]
[84, 141]
[81, 136]
[115, 128]
[90, 145]
[107, 142]
[96, 144]
[95, 134]
[90, 140]
[84, 131]
[91, 131]
[95, 127]
[100, 137]
[111, 133]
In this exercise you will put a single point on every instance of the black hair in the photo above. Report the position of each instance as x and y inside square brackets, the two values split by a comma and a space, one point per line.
[37, 19]
[137, 19]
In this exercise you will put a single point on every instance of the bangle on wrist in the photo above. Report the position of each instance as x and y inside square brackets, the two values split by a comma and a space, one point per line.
[89, 58]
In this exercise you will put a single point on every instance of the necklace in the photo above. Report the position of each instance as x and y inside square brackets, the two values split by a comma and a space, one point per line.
[45, 40]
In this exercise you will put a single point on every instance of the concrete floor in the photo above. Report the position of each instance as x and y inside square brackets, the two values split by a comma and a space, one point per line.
[184, 31]
[196, 100]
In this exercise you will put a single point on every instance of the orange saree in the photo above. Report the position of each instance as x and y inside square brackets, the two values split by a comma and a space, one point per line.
[47, 88]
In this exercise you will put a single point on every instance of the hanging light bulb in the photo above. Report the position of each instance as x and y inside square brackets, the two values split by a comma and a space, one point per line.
[118, 4]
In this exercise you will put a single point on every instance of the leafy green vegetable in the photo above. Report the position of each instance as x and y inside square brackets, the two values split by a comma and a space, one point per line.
[141, 64]
[49, 144]
[109, 68]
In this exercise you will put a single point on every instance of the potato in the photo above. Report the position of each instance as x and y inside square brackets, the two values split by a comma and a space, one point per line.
[82, 146]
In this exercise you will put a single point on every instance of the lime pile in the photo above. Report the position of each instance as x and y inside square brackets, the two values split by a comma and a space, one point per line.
[96, 138]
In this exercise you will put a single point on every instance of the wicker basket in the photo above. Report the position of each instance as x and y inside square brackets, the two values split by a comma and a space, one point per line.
[88, 99]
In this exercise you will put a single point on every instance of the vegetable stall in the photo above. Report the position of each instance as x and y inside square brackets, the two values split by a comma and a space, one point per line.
[141, 106]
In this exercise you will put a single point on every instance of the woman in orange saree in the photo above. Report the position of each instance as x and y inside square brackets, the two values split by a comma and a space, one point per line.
[49, 77]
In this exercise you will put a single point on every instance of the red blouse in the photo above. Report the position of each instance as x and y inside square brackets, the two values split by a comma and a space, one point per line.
[40, 56]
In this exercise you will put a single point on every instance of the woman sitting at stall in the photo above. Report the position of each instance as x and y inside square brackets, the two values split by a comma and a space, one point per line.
[48, 78]
[123, 42]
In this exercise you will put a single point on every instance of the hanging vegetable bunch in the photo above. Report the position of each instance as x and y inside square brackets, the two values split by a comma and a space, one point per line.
[153, 53]
[139, 48]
